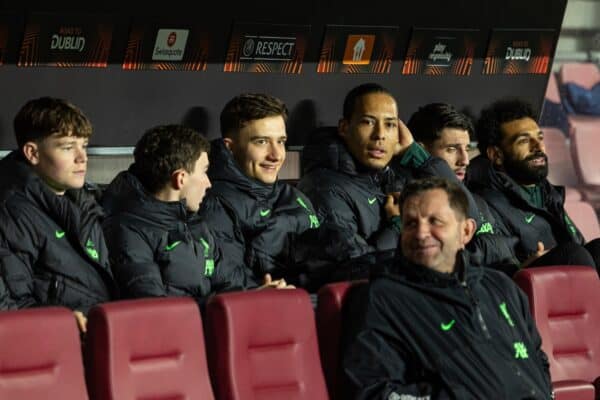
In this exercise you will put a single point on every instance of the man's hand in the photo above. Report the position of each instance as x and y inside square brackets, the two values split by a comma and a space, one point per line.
[540, 252]
[391, 206]
[81, 321]
[405, 138]
[277, 284]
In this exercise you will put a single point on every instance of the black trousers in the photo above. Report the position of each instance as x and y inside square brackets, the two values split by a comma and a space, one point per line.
[572, 254]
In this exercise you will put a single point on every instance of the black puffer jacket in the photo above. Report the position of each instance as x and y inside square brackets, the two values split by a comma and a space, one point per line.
[428, 335]
[355, 233]
[515, 216]
[158, 248]
[57, 253]
[6, 301]
[256, 222]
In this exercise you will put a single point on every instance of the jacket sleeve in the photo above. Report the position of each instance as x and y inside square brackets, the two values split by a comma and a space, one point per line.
[17, 261]
[492, 246]
[273, 249]
[376, 364]
[6, 301]
[230, 274]
[132, 260]
[338, 234]
[231, 270]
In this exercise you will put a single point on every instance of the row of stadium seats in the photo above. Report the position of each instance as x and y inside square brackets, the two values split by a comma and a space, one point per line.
[260, 345]
[572, 154]
[563, 301]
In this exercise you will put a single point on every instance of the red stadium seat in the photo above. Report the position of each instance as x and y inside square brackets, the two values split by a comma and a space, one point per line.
[40, 355]
[584, 142]
[583, 74]
[560, 164]
[147, 349]
[263, 346]
[584, 217]
[564, 303]
[584, 145]
[330, 303]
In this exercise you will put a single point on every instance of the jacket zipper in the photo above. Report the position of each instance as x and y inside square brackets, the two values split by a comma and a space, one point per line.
[475, 304]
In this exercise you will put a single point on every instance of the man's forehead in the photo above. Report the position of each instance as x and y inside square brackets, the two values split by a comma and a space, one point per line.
[376, 103]
[454, 135]
[68, 136]
[431, 199]
[522, 126]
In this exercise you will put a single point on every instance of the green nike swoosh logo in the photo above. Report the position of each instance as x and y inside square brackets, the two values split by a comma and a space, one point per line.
[264, 213]
[59, 234]
[171, 246]
[373, 200]
[530, 218]
[448, 326]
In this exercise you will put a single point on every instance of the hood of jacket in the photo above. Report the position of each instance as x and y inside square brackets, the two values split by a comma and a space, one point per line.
[75, 211]
[127, 195]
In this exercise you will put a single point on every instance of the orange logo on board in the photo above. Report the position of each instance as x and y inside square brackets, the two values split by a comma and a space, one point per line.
[358, 49]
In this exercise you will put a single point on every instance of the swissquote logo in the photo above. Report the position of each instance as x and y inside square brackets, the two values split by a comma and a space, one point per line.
[170, 44]
[440, 56]
[68, 39]
[359, 49]
[268, 48]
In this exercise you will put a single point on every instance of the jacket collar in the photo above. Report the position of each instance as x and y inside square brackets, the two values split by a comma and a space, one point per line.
[325, 149]
[126, 194]
[424, 276]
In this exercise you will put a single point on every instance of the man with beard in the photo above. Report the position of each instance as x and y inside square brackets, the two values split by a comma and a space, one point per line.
[512, 179]
[446, 133]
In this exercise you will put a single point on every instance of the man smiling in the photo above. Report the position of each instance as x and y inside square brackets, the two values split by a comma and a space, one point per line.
[255, 217]
[57, 253]
[512, 179]
[434, 327]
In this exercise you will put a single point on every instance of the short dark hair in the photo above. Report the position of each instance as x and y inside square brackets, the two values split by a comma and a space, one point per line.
[45, 116]
[358, 92]
[498, 113]
[456, 196]
[249, 107]
[165, 149]
[427, 123]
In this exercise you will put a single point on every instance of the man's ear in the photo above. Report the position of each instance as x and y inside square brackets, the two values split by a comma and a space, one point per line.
[31, 152]
[495, 155]
[179, 179]
[228, 143]
[469, 227]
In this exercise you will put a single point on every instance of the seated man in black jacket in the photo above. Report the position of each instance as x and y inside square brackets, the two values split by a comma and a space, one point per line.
[56, 250]
[436, 327]
[446, 133]
[353, 175]
[158, 244]
[257, 218]
[511, 177]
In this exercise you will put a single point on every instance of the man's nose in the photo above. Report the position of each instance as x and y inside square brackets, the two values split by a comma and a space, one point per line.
[463, 157]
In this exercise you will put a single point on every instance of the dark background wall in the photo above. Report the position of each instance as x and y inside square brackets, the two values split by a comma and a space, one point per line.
[122, 104]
